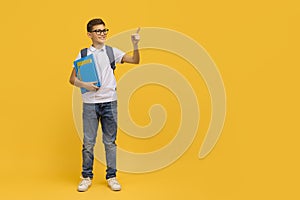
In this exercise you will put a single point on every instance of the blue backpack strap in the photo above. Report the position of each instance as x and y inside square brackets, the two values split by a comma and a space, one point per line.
[83, 52]
[110, 54]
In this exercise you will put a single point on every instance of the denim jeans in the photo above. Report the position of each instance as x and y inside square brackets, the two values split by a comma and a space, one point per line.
[106, 114]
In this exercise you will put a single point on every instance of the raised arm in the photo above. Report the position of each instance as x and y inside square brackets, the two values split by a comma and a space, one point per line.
[135, 58]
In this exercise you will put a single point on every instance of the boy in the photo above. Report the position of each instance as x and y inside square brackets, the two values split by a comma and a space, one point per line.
[100, 104]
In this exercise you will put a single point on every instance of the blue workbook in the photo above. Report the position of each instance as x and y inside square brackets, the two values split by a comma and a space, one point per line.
[86, 71]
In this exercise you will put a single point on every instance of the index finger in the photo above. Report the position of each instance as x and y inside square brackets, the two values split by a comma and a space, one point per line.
[138, 30]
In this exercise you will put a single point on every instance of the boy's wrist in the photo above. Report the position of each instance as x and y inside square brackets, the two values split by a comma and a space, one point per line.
[135, 46]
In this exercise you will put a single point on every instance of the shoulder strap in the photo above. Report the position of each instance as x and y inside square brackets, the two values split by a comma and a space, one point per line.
[83, 52]
[110, 54]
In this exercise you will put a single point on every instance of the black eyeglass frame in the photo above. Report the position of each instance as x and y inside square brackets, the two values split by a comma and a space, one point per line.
[99, 31]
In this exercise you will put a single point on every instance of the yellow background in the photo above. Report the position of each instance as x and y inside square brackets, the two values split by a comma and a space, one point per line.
[255, 45]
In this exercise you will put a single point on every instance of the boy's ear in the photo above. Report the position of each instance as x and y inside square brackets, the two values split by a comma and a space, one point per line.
[89, 34]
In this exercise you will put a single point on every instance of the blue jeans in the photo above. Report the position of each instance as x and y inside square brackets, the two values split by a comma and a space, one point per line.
[106, 113]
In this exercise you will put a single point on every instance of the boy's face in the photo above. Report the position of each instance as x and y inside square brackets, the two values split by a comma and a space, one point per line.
[98, 34]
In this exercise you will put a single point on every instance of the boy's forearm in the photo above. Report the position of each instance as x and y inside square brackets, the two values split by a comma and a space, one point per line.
[79, 83]
[136, 55]
[76, 82]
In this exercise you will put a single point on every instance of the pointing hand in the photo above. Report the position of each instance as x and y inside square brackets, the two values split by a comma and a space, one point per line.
[135, 37]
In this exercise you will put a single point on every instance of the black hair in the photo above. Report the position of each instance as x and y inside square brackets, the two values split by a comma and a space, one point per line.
[94, 22]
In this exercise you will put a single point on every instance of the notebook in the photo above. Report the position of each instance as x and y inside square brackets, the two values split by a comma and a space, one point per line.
[86, 71]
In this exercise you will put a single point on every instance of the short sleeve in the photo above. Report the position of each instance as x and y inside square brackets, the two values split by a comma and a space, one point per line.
[118, 55]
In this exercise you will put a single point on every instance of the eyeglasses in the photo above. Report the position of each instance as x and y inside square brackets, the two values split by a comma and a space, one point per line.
[99, 31]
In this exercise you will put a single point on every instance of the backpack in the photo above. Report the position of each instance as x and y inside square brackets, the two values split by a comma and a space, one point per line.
[109, 52]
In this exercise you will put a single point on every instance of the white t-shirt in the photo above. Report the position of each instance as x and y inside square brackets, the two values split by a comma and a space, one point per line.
[107, 91]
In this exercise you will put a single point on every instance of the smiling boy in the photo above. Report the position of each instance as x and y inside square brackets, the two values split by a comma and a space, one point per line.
[100, 103]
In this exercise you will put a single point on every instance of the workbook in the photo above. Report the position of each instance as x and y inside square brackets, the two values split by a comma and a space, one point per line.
[86, 71]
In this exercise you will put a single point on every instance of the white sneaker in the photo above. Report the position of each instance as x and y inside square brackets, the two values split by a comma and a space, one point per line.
[84, 184]
[114, 184]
